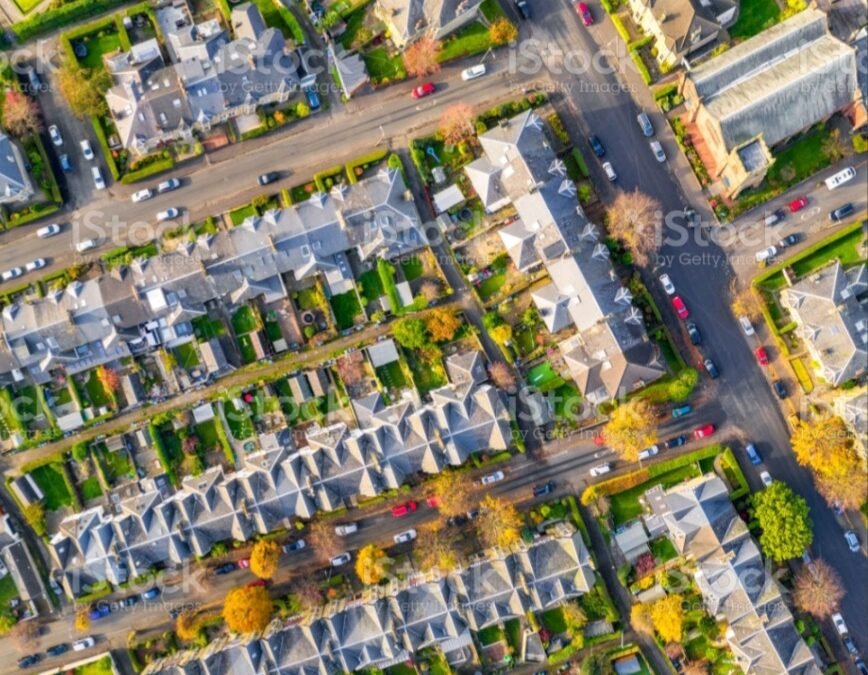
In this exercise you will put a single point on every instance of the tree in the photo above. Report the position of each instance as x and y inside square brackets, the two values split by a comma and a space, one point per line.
[498, 523]
[26, 634]
[456, 123]
[190, 444]
[817, 590]
[7, 622]
[34, 514]
[785, 521]
[20, 114]
[631, 429]
[82, 621]
[667, 614]
[308, 594]
[84, 89]
[832, 147]
[188, 625]
[597, 663]
[323, 540]
[108, 378]
[430, 290]
[695, 668]
[501, 334]
[411, 333]
[574, 616]
[302, 109]
[442, 324]
[633, 218]
[743, 302]
[502, 376]
[264, 558]
[421, 57]
[351, 367]
[437, 547]
[847, 489]
[502, 31]
[247, 609]
[640, 618]
[372, 564]
[453, 491]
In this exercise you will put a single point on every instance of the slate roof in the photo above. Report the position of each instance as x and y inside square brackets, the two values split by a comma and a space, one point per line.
[685, 24]
[411, 17]
[15, 184]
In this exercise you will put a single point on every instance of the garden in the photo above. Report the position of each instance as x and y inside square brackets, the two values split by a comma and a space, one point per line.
[346, 308]
[54, 484]
[239, 420]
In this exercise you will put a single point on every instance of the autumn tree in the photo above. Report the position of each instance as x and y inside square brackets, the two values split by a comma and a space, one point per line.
[247, 609]
[421, 57]
[695, 668]
[82, 620]
[324, 541]
[84, 89]
[817, 589]
[499, 523]
[456, 123]
[597, 663]
[108, 378]
[502, 31]
[7, 623]
[437, 547]
[372, 564]
[630, 429]
[188, 625]
[743, 302]
[501, 333]
[430, 290]
[784, 519]
[20, 114]
[411, 333]
[442, 324]
[190, 444]
[640, 618]
[502, 376]
[453, 491]
[667, 615]
[308, 594]
[574, 616]
[26, 634]
[264, 558]
[633, 218]
[34, 514]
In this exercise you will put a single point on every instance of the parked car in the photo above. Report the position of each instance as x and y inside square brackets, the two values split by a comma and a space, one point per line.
[797, 204]
[243, 564]
[762, 356]
[424, 90]
[225, 568]
[404, 537]
[789, 240]
[838, 179]
[681, 411]
[341, 559]
[774, 218]
[473, 72]
[711, 369]
[600, 469]
[704, 431]
[168, 214]
[752, 454]
[693, 333]
[151, 593]
[842, 212]
[667, 284]
[346, 529]
[98, 180]
[544, 489]
[268, 178]
[675, 442]
[12, 273]
[584, 14]
[657, 149]
[99, 611]
[596, 145]
[86, 245]
[473, 514]
[780, 389]
[766, 254]
[141, 196]
[404, 509]
[37, 264]
[645, 124]
[48, 231]
[312, 98]
[852, 540]
[680, 307]
[840, 626]
[766, 478]
[861, 667]
[495, 477]
[610, 172]
[65, 164]
[296, 545]
[649, 452]
[523, 8]
[260, 583]
[86, 150]
[746, 325]
[29, 660]
[168, 185]
[57, 650]
[54, 133]
[851, 646]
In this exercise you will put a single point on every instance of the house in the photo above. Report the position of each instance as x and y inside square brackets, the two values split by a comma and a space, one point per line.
[382, 353]
[26, 491]
[131, 387]
[762, 92]
[214, 358]
[683, 28]
[318, 381]
[408, 20]
[15, 184]
[20, 565]
[299, 388]
[632, 541]
[830, 307]
[852, 407]
[736, 586]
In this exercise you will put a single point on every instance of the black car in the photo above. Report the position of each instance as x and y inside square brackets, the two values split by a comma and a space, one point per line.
[790, 240]
[597, 146]
[544, 489]
[711, 369]
[456, 521]
[523, 8]
[842, 212]
[780, 389]
[861, 667]
[29, 660]
[225, 568]
[57, 650]
[676, 442]
[851, 646]
[269, 177]
[693, 332]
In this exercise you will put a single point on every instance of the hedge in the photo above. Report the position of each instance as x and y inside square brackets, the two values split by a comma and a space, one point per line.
[65, 14]
[320, 177]
[583, 167]
[32, 213]
[291, 22]
[386, 271]
[802, 374]
[159, 166]
[103, 144]
[644, 73]
[370, 158]
[742, 489]
[54, 189]
[621, 28]
[66, 38]
[665, 91]
[641, 42]
[228, 452]
[395, 162]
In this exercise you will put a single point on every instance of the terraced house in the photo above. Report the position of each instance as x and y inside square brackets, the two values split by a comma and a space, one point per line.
[391, 623]
[281, 482]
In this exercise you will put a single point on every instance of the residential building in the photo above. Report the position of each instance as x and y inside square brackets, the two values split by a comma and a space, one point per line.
[408, 20]
[682, 29]
[852, 407]
[15, 184]
[830, 307]
[18, 563]
[764, 91]
[736, 586]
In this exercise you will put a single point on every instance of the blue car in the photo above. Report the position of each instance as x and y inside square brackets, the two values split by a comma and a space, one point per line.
[675, 442]
[65, 164]
[312, 99]
[681, 410]
[752, 454]
[151, 593]
[99, 611]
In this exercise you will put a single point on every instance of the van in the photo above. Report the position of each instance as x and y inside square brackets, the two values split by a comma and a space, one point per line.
[97, 178]
[840, 178]
[473, 72]
[842, 212]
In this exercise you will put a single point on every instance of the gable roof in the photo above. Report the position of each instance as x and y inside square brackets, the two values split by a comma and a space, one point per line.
[15, 182]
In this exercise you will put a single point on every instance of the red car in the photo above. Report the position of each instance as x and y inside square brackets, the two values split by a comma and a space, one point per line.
[680, 307]
[703, 432]
[424, 90]
[404, 509]
[244, 563]
[257, 582]
[798, 204]
[584, 13]
[433, 501]
[761, 356]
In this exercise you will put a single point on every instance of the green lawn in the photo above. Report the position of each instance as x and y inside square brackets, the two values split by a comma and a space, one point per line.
[90, 489]
[426, 375]
[346, 308]
[96, 392]
[272, 326]
[472, 39]
[490, 635]
[240, 424]
[754, 16]
[488, 288]
[381, 67]
[245, 346]
[206, 328]
[101, 667]
[117, 465]
[26, 5]
[371, 286]
[625, 505]
[50, 480]
[522, 338]
[274, 18]
[413, 268]
[391, 375]
[567, 402]
[186, 355]
[239, 215]
[553, 619]
[400, 669]
[207, 434]
[513, 634]
[663, 549]
[544, 377]
[8, 591]
[28, 403]
[846, 249]
[97, 46]
[244, 320]
[354, 20]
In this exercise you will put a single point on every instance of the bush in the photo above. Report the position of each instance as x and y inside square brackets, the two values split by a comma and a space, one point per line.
[56, 17]
[860, 143]
[644, 73]
[621, 28]
[149, 169]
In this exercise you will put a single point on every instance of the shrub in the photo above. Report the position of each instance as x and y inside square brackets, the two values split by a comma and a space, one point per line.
[621, 28]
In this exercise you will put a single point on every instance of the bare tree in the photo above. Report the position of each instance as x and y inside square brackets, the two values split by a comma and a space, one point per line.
[502, 376]
[817, 589]
[20, 114]
[308, 594]
[437, 547]
[351, 367]
[430, 290]
[456, 123]
[634, 218]
[26, 634]
[324, 540]
[743, 301]
[421, 57]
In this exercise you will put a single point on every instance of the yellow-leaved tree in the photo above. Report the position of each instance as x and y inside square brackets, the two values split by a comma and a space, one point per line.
[247, 609]
[630, 429]
[667, 614]
[453, 491]
[437, 547]
[499, 523]
[372, 564]
[264, 558]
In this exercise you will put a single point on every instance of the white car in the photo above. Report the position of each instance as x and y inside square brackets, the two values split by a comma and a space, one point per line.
[473, 72]
[852, 540]
[766, 478]
[168, 214]
[746, 325]
[667, 284]
[601, 469]
[492, 478]
[141, 195]
[37, 264]
[86, 150]
[766, 254]
[840, 626]
[97, 178]
[341, 559]
[657, 149]
[84, 643]
[610, 172]
[48, 231]
[649, 452]
[54, 132]
[840, 178]
[168, 185]
[404, 537]
[86, 245]
[346, 529]
[13, 273]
